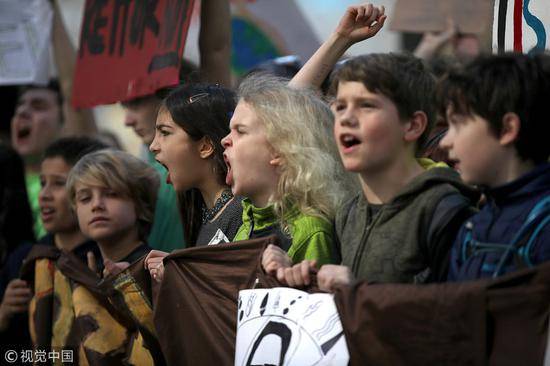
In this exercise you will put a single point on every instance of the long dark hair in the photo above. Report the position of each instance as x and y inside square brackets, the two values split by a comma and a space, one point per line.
[201, 111]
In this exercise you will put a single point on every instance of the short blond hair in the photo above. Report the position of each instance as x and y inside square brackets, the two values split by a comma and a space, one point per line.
[123, 173]
[299, 126]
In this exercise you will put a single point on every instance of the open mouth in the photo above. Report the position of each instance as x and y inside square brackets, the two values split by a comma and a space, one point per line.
[168, 180]
[349, 141]
[229, 175]
[23, 132]
[46, 213]
[161, 163]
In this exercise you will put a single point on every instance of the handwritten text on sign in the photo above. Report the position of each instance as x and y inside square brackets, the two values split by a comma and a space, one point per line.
[129, 48]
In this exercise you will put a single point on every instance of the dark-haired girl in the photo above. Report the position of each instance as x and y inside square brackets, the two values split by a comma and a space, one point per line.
[191, 122]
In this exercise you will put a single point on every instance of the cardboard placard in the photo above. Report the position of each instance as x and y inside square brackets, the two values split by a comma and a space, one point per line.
[419, 16]
[25, 29]
[129, 48]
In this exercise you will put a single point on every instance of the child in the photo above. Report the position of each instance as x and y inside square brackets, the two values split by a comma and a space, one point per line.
[191, 123]
[63, 233]
[399, 228]
[114, 196]
[279, 155]
[497, 109]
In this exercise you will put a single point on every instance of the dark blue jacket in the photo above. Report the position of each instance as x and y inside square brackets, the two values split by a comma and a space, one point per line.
[482, 248]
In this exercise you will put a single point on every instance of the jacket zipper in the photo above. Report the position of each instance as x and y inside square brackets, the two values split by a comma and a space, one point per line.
[363, 243]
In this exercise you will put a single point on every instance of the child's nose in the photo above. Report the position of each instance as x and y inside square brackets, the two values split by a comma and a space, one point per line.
[226, 141]
[44, 194]
[446, 142]
[348, 119]
[154, 147]
[22, 111]
[97, 202]
[129, 119]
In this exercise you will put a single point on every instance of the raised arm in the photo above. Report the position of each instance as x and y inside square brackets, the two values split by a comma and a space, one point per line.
[433, 42]
[358, 23]
[215, 41]
[77, 122]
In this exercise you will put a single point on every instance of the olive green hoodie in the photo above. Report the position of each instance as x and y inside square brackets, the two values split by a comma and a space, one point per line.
[408, 239]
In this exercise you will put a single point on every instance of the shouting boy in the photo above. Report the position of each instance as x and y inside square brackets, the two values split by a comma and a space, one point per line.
[400, 227]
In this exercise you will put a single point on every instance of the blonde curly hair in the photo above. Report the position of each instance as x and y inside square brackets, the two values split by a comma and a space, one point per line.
[298, 127]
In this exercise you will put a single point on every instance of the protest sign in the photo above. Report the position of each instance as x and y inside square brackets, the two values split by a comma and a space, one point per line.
[419, 16]
[25, 29]
[129, 48]
[284, 326]
[521, 25]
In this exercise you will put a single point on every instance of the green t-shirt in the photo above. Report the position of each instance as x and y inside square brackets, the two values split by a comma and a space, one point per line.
[32, 181]
[312, 237]
[167, 231]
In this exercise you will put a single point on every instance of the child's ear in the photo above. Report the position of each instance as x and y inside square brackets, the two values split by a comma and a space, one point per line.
[510, 128]
[416, 126]
[206, 147]
[276, 161]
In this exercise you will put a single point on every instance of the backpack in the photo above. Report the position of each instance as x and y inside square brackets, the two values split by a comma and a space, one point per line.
[520, 247]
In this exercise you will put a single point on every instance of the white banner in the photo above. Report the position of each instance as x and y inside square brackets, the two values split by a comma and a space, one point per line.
[521, 25]
[284, 326]
[25, 30]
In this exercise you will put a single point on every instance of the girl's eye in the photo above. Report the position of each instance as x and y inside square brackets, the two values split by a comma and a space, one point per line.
[60, 183]
[42, 183]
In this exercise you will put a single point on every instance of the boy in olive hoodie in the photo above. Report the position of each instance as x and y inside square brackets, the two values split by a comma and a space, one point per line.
[401, 226]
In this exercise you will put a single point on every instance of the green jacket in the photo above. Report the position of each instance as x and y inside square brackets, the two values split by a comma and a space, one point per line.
[32, 181]
[310, 237]
[408, 239]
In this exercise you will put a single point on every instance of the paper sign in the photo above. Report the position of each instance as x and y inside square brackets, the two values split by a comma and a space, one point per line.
[25, 31]
[419, 16]
[129, 48]
[284, 326]
[521, 26]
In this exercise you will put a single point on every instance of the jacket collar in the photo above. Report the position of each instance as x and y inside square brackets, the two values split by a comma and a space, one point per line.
[265, 216]
[531, 183]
